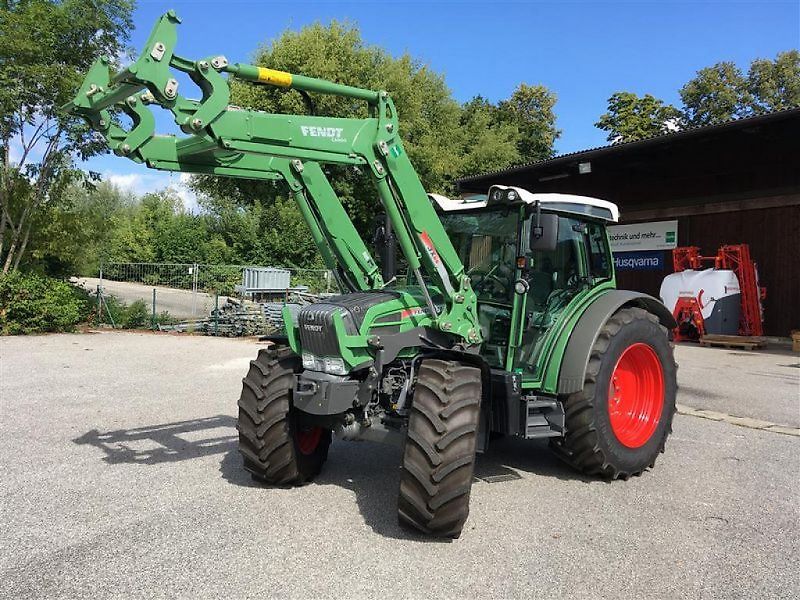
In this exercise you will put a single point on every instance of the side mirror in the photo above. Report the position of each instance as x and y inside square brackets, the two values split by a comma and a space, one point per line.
[544, 237]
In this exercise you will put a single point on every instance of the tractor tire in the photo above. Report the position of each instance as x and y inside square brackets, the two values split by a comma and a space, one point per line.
[439, 454]
[619, 423]
[275, 448]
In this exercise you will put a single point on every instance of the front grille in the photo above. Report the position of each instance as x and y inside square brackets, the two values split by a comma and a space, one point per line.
[317, 334]
[315, 321]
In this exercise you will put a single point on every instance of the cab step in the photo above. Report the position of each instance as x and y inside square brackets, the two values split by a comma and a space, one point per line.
[544, 417]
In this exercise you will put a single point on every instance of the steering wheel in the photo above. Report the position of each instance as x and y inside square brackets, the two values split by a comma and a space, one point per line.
[490, 276]
[475, 268]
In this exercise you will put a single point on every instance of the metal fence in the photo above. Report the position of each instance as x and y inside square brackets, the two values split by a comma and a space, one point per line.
[191, 289]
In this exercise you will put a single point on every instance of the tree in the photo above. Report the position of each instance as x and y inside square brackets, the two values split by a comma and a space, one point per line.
[722, 92]
[775, 85]
[443, 139]
[429, 116]
[45, 49]
[77, 232]
[631, 117]
[530, 108]
[715, 95]
[497, 140]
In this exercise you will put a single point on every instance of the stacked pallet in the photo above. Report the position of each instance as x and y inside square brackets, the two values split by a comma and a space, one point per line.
[745, 342]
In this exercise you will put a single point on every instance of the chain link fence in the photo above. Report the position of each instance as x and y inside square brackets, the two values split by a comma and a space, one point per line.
[221, 279]
[193, 290]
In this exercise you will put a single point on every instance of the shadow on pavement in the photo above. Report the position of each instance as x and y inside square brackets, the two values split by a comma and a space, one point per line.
[170, 442]
[370, 471]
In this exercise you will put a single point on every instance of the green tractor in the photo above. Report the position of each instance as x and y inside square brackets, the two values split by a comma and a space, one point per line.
[506, 319]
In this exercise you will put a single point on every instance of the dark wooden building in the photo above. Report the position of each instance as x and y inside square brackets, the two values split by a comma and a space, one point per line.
[738, 182]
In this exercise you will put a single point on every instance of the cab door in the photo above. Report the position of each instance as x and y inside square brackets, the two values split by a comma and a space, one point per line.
[557, 280]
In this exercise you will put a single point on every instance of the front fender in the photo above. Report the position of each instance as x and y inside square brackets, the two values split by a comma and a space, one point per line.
[579, 346]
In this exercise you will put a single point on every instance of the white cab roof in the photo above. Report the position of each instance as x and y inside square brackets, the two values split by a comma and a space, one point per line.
[561, 202]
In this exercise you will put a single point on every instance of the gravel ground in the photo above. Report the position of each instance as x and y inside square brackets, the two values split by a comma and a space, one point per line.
[120, 479]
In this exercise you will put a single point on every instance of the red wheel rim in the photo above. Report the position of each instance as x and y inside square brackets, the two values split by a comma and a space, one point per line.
[636, 395]
[308, 440]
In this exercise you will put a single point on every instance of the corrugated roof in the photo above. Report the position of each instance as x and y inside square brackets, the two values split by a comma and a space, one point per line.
[656, 139]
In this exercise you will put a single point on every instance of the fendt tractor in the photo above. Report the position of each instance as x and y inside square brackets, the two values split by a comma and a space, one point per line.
[505, 321]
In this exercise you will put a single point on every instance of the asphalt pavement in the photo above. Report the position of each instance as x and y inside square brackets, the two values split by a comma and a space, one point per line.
[759, 384]
[121, 479]
[180, 304]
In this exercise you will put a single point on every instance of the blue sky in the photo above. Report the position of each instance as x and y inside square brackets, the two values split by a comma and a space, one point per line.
[583, 50]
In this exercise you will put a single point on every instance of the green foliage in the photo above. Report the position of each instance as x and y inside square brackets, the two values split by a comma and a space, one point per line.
[74, 234]
[715, 95]
[631, 117]
[136, 315]
[498, 138]
[775, 84]
[443, 139]
[530, 108]
[722, 92]
[45, 49]
[31, 303]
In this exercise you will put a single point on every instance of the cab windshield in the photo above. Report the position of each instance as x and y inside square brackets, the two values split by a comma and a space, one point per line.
[486, 242]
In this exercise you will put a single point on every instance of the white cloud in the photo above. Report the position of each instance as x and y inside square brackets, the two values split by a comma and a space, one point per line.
[14, 151]
[154, 181]
[129, 182]
[124, 59]
[672, 125]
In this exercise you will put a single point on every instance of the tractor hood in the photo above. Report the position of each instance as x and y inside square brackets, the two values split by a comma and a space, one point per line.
[339, 334]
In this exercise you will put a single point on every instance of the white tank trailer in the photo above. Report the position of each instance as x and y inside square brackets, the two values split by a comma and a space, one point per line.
[717, 293]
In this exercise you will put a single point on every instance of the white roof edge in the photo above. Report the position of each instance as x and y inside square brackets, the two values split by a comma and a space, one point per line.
[448, 204]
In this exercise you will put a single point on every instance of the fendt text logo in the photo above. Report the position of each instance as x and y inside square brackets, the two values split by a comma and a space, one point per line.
[334, 134]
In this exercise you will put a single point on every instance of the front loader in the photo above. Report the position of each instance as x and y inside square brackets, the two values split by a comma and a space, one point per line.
[507, 321]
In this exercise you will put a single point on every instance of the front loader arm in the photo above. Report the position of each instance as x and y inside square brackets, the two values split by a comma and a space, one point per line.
[224, 140]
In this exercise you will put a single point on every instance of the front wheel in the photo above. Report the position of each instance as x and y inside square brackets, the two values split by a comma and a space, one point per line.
[439, 455]
[277, 448]
[619, 423]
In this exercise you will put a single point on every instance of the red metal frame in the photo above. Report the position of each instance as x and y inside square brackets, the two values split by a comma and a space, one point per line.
[687, 313]
[736, 258]
[686, 257]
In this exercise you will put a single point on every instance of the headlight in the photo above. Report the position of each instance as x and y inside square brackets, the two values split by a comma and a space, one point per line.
[335, 366]
[327, 364]
[512, 195]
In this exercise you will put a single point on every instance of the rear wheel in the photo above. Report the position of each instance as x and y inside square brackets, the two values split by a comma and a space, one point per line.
[619, 423]
[439, 455]
[276, 446]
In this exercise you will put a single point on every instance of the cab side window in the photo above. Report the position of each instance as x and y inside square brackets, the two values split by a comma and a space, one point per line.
[599, 256]
[558, 269]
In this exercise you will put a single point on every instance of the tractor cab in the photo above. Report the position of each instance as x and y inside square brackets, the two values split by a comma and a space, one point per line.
[528, 256]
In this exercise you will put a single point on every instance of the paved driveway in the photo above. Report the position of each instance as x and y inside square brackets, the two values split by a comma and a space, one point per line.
[120, 479]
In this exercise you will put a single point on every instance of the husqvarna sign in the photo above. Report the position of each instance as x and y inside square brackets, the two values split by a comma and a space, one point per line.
[656, 235]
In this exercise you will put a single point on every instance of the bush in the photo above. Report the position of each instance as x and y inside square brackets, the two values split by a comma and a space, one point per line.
[136, 315]
[31, 303]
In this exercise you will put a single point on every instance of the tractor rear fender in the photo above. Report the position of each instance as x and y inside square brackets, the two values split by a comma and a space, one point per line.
[584, 334]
